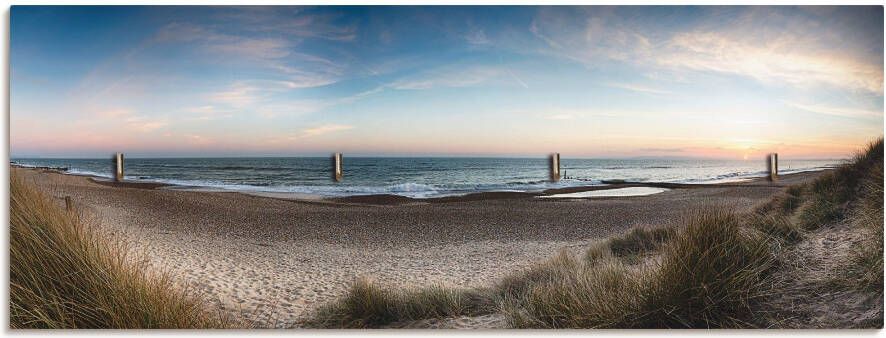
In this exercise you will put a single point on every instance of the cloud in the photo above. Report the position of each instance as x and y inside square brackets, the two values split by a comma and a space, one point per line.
[296, 78]
[477, 37]
[458, 76]
[663, 150]
[835, 111]
[145, 124]
[252, 48]
[278, 57]
[788, 60]
[238, 95]
[299, 22]
[560, 117]
[126, 119]
[639, 88]
[775, 47]
[208, 112]
[323, 130]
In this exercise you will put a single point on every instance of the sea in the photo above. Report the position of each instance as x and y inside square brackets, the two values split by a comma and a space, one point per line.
[414, 176]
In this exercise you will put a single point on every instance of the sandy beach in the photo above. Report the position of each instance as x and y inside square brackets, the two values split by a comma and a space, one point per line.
[272, 259]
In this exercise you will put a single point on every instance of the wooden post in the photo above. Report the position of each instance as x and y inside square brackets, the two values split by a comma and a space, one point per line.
[776, 164]
[337, 167]
[555, 167]
[69, 206]
[772, 166]
[119, 172]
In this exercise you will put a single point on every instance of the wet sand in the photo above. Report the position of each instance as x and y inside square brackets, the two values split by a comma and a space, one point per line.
[272, 259]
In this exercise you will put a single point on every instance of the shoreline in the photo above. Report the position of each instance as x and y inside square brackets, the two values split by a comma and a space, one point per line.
[395, 199]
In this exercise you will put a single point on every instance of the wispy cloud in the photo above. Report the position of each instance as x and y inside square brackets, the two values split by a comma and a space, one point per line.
[477, 37]
[836, 111]
[146, 124]
[662, 150]
[560, 117]
[279, 56]
[639, 88]
[324, 129]
[458, 76]
[788, 60]
[798, 55]
[238, 95]
[300, 22]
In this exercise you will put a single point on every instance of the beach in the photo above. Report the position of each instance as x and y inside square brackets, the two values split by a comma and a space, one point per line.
[272, 259]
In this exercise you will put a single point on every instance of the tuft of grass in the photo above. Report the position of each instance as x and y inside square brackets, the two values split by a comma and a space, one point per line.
[776, 226]
[598, 251]
[63, 274]
[632, 245]
[639, 240]
[710, 276]
[600, 294]
[792, 199]
[369, 306]
[557, 268]
[826, 204]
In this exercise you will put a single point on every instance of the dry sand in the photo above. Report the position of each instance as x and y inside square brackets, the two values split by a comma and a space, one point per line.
[272, 260]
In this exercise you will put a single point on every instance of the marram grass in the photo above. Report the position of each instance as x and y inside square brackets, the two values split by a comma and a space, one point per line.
[65, 275]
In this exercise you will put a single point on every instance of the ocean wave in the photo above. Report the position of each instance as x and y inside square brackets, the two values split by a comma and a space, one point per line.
[409, 189]
[80, 172]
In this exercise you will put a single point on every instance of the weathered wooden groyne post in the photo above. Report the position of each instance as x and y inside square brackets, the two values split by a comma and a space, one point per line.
[555, 167]
[337, 172]
[772, 166]
[118, 173]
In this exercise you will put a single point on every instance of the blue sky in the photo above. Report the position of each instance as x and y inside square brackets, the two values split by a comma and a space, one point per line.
[725, 82]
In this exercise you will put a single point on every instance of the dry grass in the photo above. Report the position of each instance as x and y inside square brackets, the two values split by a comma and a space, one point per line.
[369, 306]
[776, 226]
[576, 293]
[640, 240]
[707, 276]
[63, 274]
[711, 274]
[867, 216]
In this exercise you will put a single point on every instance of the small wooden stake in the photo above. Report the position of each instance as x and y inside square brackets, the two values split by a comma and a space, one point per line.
[337, 167]
[69, 206]
[119, 172]
[555, 167]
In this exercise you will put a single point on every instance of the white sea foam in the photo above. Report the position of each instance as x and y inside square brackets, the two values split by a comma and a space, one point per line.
[620, 192]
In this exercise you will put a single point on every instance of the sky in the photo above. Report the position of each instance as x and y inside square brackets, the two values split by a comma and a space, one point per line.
[594, 81]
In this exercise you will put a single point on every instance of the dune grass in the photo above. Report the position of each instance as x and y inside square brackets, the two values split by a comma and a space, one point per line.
[631, 246]
[64, 274]
[829, 196]
[867, 215]
[368, 305]
[711, 272]
[706, 277]
[639, 240]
